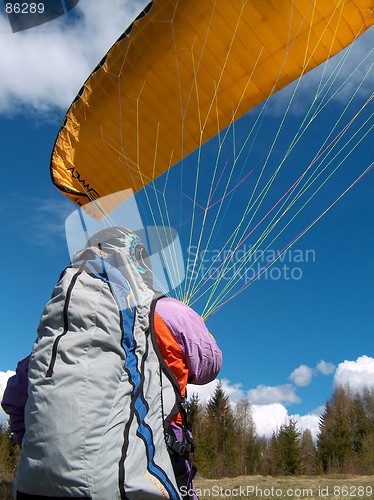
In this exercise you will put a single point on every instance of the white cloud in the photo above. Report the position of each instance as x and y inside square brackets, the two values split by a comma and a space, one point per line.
[43, 68]
[234, 391]
[302, 376]
[317, 411]
[325, 368]
[203, 391]
[268, 418]
[310, 421]
[357, 374]
[262, 395]
[4, 376]
[273, 394]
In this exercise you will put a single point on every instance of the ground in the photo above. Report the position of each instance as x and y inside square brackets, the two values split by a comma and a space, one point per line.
[267, 487]
[282, 488]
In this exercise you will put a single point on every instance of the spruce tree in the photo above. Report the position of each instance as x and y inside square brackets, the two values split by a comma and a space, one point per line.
[338, 431]
[221, 435]
[197, 425]
[289, 454]
[194, 413]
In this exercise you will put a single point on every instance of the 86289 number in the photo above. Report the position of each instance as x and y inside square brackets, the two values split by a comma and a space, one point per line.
[24, 8]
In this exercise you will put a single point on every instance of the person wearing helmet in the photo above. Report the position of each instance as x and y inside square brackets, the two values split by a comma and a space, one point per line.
[184, 345]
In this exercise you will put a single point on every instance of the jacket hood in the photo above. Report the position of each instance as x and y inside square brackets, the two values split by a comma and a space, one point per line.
[128, 254]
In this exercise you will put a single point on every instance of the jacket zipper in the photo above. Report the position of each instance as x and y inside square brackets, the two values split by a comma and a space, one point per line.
[66, 321]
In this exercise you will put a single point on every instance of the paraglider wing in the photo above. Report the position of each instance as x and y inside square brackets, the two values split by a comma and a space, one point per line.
[182, 72]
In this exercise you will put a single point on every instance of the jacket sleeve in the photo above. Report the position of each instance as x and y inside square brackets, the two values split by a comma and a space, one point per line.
[14, 399]
[201, 354]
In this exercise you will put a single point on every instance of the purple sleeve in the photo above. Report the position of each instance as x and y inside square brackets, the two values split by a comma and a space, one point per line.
[201, 353]
[15, 397]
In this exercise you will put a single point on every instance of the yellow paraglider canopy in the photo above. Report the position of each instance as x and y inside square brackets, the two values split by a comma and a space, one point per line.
[183, 71]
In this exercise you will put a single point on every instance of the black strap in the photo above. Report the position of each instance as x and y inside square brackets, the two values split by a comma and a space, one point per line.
[180, 448]
[183, 476]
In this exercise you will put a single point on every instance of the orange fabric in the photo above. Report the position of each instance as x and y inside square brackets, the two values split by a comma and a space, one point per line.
[185, 71]
[172, 354]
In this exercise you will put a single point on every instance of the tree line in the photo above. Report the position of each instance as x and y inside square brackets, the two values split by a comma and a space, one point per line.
[9, 453]
[227, 443]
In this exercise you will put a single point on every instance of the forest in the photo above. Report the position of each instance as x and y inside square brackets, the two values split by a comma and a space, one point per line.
[227, 444]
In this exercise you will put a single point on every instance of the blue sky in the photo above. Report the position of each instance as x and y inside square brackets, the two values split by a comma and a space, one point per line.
[285, 342]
